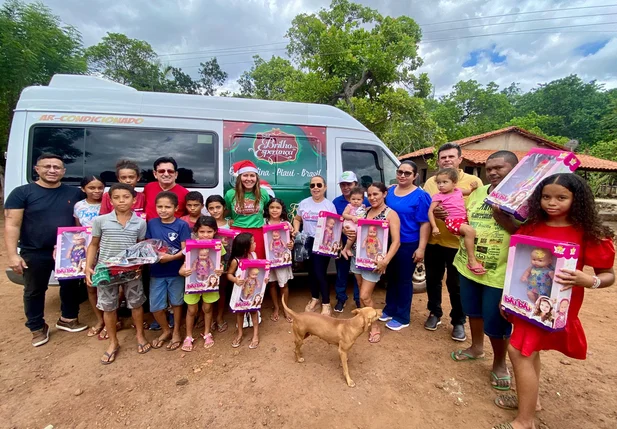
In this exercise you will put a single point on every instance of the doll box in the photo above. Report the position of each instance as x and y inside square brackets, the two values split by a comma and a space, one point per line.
[203, 257]
[227, 238]
[276, 238]
[530, 290]
[250, 295]
[512, 193]
[328, 234]
[71, 246]
[372, 243]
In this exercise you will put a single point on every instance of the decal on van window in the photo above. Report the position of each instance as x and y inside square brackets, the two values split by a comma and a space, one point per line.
[93, 119]
[287, 156]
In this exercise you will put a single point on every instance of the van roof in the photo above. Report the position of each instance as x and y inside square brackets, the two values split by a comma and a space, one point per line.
[91, 94]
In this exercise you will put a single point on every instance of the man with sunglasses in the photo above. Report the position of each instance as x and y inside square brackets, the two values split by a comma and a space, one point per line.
[33, 213]
[441, 250]
[166, 173]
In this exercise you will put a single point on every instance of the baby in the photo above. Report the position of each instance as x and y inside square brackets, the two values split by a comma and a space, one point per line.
[77, 252]
[451, 200]
[372, 243]
[250, 285]
[277, 245]
[328, 235]
[355, 209]
[544, 311]
[539, 275]
[202, 267]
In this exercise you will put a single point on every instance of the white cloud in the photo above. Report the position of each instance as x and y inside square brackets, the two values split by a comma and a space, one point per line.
[199, 28]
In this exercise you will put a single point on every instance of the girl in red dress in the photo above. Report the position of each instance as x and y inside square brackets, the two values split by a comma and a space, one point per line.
[561, 208]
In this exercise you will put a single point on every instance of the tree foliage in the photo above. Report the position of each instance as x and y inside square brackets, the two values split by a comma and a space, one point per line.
[211, 76]
[34, 45]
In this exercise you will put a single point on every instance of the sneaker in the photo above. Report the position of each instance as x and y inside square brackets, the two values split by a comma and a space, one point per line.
[41, 336]
[154, 326]
[72, 326]
[432, 322]
[358, 304]
[312, 304]
[396, 326]
[326, 309]
[458, 333]
[339, 306]
[384, 317]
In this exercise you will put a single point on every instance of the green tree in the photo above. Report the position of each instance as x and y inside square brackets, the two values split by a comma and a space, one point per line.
[537, 124]
[178, 81]
[212, 76]
[34, 45]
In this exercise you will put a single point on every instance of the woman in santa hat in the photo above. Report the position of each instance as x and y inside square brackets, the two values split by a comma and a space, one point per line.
[246, 203]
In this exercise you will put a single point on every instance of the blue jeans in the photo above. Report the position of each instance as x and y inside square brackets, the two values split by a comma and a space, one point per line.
[400, 287]
[342, 274]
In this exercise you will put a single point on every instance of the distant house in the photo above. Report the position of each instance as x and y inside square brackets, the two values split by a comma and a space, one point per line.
[476, 150]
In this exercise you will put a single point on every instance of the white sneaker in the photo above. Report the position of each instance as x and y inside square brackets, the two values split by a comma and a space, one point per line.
[312, 305]
[326, 309]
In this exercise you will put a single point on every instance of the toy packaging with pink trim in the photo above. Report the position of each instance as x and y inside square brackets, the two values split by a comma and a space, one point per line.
[203, 257]
[249, 295]
[328, 234]
[530, 290]
[71, 245]
[512, 193]
[276, 239]
[227, 238]
[372, 243]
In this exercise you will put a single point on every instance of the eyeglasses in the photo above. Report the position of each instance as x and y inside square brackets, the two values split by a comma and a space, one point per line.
[318, 185]
[163, 171]
[51, 167]
[404, 173]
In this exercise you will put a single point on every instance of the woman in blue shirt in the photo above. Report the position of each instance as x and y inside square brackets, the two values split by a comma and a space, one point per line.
[411, 204]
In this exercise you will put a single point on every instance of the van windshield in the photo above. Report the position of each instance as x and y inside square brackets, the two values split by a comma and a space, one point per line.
[95, 151]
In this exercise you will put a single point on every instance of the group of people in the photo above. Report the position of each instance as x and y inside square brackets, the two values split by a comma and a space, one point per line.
[447, 225]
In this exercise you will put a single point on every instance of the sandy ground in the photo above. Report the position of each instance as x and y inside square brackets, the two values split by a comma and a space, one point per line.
[406, 381]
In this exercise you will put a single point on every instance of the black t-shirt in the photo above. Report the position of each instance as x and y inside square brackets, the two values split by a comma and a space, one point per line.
[45, 209]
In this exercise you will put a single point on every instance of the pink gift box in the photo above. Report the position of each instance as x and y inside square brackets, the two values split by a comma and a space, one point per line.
[276, 238]
[71, 246]
[370, 248]
[530, 290]
[328, 234]
[250, 295]
[202, 257]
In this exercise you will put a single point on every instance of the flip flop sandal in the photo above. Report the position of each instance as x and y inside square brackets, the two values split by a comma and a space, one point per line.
[253, 345]
[468, 356]
[208, 341]
[289, 319]
[274, 317]
[503, 426]
[187, 345]
[111, 357]
[142, 349]
[495, 382]
[477, 270]
[103, 335]
[371, 337]
[507, 402]
[158, 343]
[223, 327]
[236, 342]
[93, 332]
[174, 345]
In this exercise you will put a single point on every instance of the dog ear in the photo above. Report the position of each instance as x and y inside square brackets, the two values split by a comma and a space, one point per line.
[355, 311]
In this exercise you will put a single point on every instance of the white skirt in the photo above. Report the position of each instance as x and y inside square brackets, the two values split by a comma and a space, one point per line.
[281, 275]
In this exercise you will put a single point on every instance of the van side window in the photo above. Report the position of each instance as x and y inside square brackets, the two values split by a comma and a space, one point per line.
[95, 150]
[363, 162]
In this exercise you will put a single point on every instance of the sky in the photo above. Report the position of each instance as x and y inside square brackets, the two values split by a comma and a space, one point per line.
[524, 41]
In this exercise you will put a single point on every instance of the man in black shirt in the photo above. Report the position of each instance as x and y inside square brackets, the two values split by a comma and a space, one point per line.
[33, 213]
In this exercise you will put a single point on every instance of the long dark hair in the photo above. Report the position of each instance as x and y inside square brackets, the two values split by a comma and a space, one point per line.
[205, 221]
[241, 246]
[284, 214]
[583, 212]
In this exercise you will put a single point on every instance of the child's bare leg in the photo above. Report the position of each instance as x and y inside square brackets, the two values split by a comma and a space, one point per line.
[255, 319]
[161, 318]
[469, 238]
[527, 382]
[138, 321]
[92, 297]
[191, 313]
[238, 339]
[220, 306]
[110, 318]
[177, 311]
[285, 294]
[275, 301]
[208, 316]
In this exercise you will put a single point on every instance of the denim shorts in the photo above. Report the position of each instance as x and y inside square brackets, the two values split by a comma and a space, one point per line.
[480, 301]
[165, 291]
[368, 275]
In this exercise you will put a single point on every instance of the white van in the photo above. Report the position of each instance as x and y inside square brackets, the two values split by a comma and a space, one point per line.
[92, 123]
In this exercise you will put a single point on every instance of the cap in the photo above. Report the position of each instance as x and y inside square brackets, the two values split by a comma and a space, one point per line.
[348, 177]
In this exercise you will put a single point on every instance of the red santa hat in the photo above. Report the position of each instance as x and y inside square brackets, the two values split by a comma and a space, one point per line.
[242, 167]
[267, 187]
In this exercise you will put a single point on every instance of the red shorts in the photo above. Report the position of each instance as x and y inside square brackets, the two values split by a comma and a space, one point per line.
[454, 224]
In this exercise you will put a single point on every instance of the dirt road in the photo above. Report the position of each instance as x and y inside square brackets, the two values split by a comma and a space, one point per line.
[406, 381]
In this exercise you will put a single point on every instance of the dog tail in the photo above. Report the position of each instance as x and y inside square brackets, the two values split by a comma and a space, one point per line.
[287, 309]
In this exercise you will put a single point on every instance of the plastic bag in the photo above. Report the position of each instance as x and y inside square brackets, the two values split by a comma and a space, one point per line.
[300, 252]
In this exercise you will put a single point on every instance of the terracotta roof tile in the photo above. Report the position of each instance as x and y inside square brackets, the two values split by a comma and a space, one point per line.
[588, 162]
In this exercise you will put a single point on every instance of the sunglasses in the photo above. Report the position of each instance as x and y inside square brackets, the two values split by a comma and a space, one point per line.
[404, 173]
[318, 185]
[163, 171]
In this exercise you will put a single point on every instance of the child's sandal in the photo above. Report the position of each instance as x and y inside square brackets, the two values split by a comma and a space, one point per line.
[208, 341]
[187, 345]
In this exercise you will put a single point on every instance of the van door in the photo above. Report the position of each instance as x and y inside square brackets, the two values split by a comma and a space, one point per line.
[369, 161]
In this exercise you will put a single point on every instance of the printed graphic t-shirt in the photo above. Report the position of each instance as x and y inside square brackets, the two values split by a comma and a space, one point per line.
[174, 234]
[85, 212]
[309, 210]
[492, 243]
[252, 214]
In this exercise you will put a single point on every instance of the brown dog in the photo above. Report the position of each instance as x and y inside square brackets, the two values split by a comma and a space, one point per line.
[341, 332]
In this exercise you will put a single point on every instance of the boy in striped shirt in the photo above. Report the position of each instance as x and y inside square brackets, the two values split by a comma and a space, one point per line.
[112, 234]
